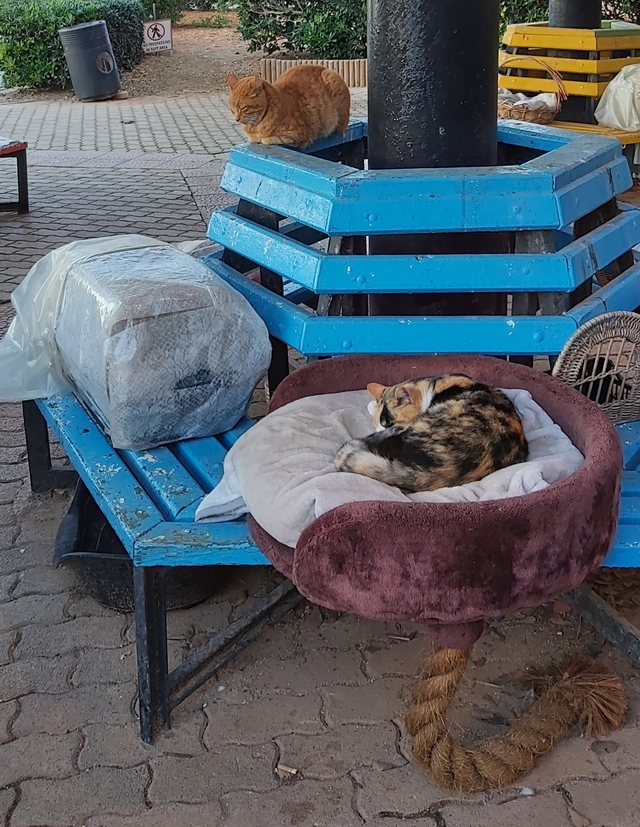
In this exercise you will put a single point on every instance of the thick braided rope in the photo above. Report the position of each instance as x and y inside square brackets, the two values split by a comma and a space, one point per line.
[583, 693]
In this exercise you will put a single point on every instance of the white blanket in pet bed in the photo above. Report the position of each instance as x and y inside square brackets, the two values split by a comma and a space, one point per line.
[281, 471]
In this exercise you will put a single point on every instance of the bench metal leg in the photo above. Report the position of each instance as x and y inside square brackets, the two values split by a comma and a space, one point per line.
[151, 646]
[606, 620]
[22, 204]
[43, 476]
[161, 691]
[23, 182]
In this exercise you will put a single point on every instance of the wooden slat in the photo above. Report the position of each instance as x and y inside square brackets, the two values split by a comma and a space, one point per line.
[203, 459]
[625, 138]
[324, 273]
[630, 512]
[166, 481]
[200, 544]
[230, 437]
[312, 335]
[625, 552]
[631, 483]
[574, 87]
[119, 495]
[629, 434]
[542, 36]
[578, 66]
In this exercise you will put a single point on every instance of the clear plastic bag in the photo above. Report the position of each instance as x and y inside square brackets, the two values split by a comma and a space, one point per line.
[619, 106]
[158, 346]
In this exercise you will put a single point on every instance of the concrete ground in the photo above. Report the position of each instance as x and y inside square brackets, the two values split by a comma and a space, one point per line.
[321, 694]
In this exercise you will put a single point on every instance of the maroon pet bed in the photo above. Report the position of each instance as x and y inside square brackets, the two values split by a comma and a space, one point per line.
[450, 565]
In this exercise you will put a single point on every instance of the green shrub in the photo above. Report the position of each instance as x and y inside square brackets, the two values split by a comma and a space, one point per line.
[528, 11]
[210, 5]
[334, 29]
[32, 54]
[622, 10]
[324, 29]
[165, 9]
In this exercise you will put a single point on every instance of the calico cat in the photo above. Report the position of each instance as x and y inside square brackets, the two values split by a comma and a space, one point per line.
[305, 103]
[436, 433]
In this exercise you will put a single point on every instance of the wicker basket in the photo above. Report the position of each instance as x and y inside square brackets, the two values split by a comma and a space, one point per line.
[602, 361]
[508, 111]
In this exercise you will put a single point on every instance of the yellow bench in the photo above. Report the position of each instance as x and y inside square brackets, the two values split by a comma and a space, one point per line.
[588, 55]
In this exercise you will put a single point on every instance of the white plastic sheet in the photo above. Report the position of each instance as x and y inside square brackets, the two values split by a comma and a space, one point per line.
[619, 106]
[158, 346]
[545, 101]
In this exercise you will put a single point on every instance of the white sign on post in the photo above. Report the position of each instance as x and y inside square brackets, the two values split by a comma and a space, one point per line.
[157, 36]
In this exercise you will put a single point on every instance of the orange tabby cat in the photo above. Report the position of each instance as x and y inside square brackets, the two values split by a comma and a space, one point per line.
[305, 103]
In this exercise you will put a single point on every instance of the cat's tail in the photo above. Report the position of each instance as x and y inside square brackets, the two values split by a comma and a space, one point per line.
[357, 457]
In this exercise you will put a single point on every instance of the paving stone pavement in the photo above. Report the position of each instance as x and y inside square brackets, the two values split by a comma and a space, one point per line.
[320, 693]
[200, 125]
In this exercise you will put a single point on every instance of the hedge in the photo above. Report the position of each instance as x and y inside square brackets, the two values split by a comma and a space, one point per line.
[337, 29]
[165, 9]
[528, 11]
[32, 54]
[324, 29]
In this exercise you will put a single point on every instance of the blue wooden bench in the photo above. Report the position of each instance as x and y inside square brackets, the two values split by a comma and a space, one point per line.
[149, 498]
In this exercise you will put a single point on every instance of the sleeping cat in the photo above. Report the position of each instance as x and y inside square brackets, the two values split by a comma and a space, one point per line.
[305, 103]
[436, 433]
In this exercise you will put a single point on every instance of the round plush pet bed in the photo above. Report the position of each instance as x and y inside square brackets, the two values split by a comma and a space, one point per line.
[450, 565]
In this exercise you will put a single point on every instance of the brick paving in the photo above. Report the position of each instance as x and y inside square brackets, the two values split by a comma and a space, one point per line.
[320, 693]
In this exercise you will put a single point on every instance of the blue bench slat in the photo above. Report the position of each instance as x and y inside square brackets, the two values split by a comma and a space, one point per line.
[625, 552]
[201, 544]
[165, 479]
[119, 495]
[629, 434]
[324, 273]
[229, 438]
[314, 335]
[630, 510]
[203, 459]
[631, 483]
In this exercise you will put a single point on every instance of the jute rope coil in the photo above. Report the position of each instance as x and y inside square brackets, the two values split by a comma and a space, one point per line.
[581, 693]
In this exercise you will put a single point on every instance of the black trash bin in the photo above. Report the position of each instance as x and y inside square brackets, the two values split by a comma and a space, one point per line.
[92, 66]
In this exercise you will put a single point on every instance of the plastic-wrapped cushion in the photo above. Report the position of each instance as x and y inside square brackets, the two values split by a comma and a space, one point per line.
[619, 106]
[160, 348]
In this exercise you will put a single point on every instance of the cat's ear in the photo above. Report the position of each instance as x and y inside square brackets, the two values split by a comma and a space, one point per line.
[232, 80]
[375, 390]
[257, 85]
[402, 395]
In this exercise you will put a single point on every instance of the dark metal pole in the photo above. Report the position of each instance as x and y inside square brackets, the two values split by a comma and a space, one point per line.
[433, 69]
[575, 14]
